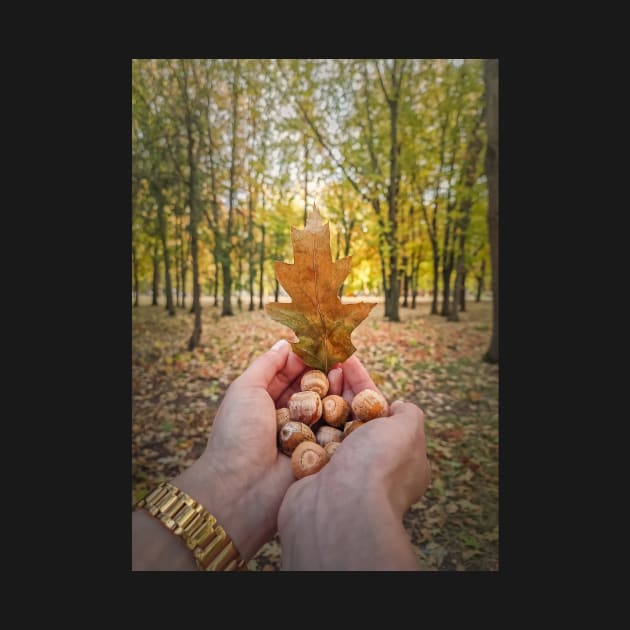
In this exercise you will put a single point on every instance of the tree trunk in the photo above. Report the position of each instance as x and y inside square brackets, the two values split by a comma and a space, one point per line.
[394, 285]
[226, 268]
[462, 293]
[250, 249]
[216, 280]
[447, 264]
[185, 252]
[211, 282]
[262, 265]
[136, 283]
[447, 270]
[226, 262]
[394, 292]
[277, 290]
[251, 269]
[177, 260]
[491, 77]
[305, 178]
[459, 280]
[436, 271]
[195, 338]
[469, 173]
[432, 223]
[156, 274]
[450, 231]
[480, 280]
[346, 247]
[252, 273]
[184, 278]
[170, 307]
[405, 284]
[239, 299]
[415, 269]
[384, 280]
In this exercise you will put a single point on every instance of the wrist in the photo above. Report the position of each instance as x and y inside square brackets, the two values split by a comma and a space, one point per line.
[192, 524]
[202, 483]
[155, 548]
[328, 524]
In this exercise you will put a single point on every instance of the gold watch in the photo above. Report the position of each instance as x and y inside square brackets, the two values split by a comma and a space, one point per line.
[181, 514]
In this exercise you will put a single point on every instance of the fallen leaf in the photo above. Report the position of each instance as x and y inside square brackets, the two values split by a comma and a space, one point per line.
[321, 322]
[474, 397]
[165, 413]
[469, 540]
[490, 536]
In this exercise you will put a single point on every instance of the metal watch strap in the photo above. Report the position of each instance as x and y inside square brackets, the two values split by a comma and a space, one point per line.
[181, 514]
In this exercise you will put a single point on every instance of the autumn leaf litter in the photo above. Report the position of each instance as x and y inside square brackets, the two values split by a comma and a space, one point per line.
[425, 360]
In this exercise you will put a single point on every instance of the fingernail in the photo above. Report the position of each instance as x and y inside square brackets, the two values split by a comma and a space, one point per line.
[279, 344]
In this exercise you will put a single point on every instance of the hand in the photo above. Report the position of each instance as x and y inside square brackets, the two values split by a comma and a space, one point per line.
[241, 477]
[349, 515]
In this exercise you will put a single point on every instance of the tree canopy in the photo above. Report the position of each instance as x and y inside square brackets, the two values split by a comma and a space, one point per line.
[228, 154]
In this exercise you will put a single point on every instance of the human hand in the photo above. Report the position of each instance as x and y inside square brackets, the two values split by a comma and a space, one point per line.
[349, 515]
[241, 477]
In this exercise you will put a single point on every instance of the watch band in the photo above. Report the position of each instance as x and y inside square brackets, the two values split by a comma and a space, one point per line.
[181, 514]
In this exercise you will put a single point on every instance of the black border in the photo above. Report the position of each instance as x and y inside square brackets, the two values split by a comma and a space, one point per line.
[99, 113]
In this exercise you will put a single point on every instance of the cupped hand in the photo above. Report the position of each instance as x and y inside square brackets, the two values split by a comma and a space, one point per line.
[391, 448]
[241, 477]
[377, 472]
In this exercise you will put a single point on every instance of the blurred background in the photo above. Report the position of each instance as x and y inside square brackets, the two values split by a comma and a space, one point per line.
[400, 156]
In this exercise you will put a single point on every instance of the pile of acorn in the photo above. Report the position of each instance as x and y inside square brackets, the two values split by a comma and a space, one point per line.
[313, 425]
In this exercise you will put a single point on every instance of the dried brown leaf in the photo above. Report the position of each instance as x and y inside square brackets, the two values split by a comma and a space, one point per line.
[321, 322]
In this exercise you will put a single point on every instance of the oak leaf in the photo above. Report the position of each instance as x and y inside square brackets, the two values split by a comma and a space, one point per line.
[316, 315]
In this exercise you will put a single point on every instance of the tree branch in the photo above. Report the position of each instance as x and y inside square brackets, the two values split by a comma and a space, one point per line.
[324, 144]
[375, 165]
[380, 78]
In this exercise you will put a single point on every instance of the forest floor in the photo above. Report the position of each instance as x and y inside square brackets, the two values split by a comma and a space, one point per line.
[424, 359]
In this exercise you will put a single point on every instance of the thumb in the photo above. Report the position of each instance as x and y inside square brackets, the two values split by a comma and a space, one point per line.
[408, 410]
[263, 369]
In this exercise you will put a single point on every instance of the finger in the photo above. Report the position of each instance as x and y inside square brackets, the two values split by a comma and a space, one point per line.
[272, 370]
[283, 398]
[407, 411]
[355, 378]
[335, 378]
[294, 368]
[284, 471]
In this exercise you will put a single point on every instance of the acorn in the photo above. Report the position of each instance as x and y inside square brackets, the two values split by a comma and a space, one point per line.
[315, 381]
[349, 427]
[369, 404]
[305, 407]
[331, 447]
[292, 434]
[308, 458]
[335, 410]
[282, 417]
[328, 434]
